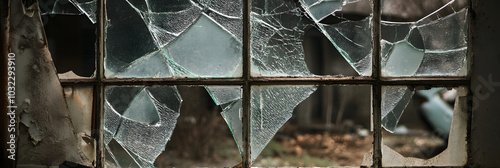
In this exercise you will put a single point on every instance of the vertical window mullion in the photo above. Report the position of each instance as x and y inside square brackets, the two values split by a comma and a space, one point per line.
[376, 87]
[99, 89]
[247, 157]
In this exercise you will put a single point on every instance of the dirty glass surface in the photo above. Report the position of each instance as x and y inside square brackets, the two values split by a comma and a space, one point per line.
[69, 7]
[148, 39]
[434, 45]
[278, 28]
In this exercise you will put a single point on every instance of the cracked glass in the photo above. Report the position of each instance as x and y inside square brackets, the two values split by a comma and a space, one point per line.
[181, 39]
[278, 27]
[203, 38]
[139, 121]
[433, 45]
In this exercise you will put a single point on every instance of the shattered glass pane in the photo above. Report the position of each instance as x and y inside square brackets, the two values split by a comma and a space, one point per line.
[394, 101]
[276, 41]
[271, 107]
[139, 121]
[278, 27]
[181, 39]
[426, 47]
[69, 7]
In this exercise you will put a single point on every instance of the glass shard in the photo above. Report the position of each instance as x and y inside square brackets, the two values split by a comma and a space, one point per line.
[192, 36]
[229, 99]
[394, 101]
[353, 40]
[271, 107]
[224, 94]
[141, 121]
[425, 47]
[69, 7]
[88, 7]
[232, 114]
[433, 107]
[58, 7]
[320, 9]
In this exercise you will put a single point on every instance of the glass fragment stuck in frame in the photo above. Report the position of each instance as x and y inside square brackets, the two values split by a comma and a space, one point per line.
[69, 7]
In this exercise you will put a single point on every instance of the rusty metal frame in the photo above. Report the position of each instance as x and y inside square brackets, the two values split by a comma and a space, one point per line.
[99, 84]
[377, 86]
[376, 81]
[355, 80]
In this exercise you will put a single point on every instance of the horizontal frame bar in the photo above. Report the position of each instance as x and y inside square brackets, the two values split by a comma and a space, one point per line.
[331, 80]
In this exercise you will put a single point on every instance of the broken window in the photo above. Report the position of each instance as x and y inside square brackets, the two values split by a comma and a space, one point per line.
[444, 110]
[245, 61]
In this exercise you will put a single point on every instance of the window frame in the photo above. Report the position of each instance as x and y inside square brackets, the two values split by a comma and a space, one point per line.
[376, 81]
